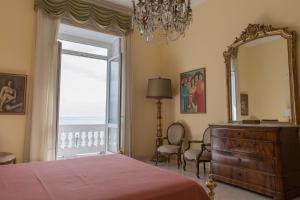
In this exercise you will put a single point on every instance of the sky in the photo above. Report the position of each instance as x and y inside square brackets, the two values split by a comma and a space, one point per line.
[82, 90]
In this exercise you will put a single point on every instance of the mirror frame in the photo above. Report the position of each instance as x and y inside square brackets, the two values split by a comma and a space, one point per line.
[256, 31]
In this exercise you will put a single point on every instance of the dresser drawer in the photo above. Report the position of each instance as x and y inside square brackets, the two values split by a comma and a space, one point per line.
[246, 146]
[268, 135]
[243, 175]
[240, 160]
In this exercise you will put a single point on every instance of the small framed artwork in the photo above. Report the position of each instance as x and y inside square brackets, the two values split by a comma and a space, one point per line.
[244, 105]
[193, 91]
[12, 93]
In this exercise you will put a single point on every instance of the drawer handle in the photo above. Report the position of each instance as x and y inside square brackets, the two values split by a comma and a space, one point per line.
[239, 133]
[239, 160]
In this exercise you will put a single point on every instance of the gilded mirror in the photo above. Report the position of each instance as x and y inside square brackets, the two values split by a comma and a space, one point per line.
[261, 75]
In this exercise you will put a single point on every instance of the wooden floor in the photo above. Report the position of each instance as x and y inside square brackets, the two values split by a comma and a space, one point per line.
[223, 191]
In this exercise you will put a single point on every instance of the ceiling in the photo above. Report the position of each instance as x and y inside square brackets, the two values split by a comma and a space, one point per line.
[128, 3]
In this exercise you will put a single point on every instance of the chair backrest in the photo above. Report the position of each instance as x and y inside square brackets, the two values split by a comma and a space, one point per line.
[207, 136]
[175, 133]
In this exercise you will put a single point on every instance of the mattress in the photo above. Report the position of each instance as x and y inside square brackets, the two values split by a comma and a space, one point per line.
[108, 177]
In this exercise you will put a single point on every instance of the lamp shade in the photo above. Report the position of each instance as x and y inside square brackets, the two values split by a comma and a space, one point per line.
[159, 88]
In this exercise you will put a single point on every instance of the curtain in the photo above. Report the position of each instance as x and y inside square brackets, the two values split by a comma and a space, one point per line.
[40, 141]
[41, 136]
[81, 12]
[126, 112]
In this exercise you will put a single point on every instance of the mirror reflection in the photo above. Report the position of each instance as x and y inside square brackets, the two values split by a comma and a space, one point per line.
[259, 80]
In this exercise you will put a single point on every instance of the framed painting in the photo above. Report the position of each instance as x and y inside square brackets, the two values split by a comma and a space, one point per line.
[12, 93]
[244, 105]
[193, 91]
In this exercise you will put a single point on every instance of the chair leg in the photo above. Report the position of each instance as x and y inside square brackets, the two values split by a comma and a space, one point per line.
[197, 165]
[179, 160]
[184, 164]
[156, 160]
[204, 167]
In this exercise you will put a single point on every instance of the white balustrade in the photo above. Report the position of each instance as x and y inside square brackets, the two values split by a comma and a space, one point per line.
[78, 140]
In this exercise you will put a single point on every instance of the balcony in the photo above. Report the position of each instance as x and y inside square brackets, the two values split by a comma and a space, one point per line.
[81, 140]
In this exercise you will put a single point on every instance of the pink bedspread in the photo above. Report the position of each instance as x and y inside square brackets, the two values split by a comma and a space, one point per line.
[112, 177]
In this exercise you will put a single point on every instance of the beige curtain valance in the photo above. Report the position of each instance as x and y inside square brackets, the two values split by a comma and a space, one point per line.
[82, 12]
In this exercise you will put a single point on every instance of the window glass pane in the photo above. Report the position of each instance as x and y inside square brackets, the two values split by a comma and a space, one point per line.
[84, 48]
[114, 92]
[82, 90]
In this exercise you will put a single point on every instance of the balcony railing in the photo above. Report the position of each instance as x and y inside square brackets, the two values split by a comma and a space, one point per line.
[80, 140]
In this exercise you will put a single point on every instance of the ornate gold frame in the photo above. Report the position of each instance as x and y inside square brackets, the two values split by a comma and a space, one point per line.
[253, 32]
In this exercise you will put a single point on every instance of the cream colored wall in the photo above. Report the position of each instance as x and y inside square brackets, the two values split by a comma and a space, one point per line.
[263, 74]
[242, 70]
[216, 23]
[146, 63]
[17, 42]
[17, 46]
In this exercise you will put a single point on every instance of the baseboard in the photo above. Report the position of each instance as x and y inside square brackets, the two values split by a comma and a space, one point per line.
[143, 157]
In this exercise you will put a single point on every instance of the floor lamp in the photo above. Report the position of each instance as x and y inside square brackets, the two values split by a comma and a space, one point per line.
[159, 88]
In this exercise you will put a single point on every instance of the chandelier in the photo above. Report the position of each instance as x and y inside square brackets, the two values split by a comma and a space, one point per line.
[169, 17]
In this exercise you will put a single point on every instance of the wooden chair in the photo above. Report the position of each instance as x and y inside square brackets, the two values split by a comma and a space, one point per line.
[199, 155]
[175, 135]
[7, 158]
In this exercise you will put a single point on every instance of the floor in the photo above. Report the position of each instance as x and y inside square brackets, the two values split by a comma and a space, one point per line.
[223, 191]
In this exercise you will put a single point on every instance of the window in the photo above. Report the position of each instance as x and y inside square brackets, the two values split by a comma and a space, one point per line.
[89, 101]
[77, 48]
[82, 86]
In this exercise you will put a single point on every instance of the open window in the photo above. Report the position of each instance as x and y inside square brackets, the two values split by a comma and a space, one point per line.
[89, 100]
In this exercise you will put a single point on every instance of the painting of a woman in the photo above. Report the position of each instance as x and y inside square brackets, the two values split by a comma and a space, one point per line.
[7, 94]
[199, 95]
[192, 91]
[185, 94]
[12, 93]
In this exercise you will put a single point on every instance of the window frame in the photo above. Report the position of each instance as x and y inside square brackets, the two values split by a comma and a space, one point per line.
[69, 38]
[109, 46]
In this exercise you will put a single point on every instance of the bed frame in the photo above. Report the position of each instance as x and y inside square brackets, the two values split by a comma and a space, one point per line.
[210, 184]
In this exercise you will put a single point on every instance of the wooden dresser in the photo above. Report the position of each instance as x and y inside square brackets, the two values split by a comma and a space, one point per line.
[264, 158]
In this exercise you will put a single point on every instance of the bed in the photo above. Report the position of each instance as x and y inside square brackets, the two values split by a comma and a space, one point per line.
[108, 177]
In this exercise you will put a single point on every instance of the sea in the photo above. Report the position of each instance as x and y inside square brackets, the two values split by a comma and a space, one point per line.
[81, 120]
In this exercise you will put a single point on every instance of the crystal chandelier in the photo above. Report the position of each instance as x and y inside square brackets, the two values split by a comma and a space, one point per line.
[169, 17]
